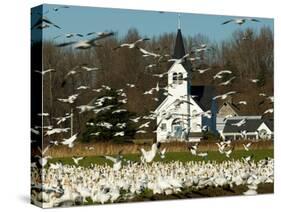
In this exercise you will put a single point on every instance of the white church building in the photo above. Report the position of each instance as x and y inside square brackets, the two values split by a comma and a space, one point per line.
[187, 110]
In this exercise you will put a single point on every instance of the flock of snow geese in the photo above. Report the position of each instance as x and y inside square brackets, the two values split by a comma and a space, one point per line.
[62, 185]
[66, 185]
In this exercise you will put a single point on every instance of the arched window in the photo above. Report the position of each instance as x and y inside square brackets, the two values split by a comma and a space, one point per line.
[175, 77]
[194, 120]
[180, 78]
[177, 128]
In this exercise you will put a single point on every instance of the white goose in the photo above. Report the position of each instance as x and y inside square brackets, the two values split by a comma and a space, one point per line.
[148, 156]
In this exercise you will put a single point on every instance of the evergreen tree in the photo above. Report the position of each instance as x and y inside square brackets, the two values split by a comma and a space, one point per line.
[109, 120]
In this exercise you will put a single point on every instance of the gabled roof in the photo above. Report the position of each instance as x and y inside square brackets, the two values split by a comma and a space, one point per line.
[232, 106]
[269, 123]
[161, 104]
[203, 95]
[251, 125]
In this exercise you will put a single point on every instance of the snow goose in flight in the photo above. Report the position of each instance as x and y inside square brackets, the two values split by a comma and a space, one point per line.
[62, 119]
[131, 85]
[268, 111]
[131, 45]
[148, 156]
[202, 71]
[271, 98]
[247, 146]
[71, 99]
[149, 92]
[43, 114]
[56, 131]
[82, 87]
[162, 153]
[228, 81]
[84, 44]
[220, 73]
[88, 69]
[101, 34]
[224, 96]
[160, 75]
[150, 66]
[70, 141]
[254, 80]
[70, 73]
[121, 125]
[85, 108]
[141, 131]
[55, 143]
[240, 21]
[95, 134]
[180, 60]
[36, 132]
[242, 103]
[248, 158]
[56, 9]
[77, 159]
[117, 162]
[45, 71]
[145, 125]
[119, 111]
[135, 120]
[240, 123]
[146, 53]
[43, 160]
[68, 35]
[44, 22]
[98, 90]
[122, 133]
[228, 152]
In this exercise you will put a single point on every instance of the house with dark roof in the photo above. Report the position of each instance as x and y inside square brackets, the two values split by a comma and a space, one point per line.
[227, 109]
[186, 108]
[248, 127]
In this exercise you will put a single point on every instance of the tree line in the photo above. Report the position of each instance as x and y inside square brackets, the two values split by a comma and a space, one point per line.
[247, 53]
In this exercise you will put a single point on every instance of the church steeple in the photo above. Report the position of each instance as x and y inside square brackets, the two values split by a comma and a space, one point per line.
[179, 50]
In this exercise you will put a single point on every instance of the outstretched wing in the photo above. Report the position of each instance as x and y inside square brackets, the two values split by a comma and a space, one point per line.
[114, 160]
[226, 22]
[65, 44]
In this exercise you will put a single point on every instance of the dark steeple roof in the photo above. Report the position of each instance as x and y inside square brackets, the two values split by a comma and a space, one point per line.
[179, 51]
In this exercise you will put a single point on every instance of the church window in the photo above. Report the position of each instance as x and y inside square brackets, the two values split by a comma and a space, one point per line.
[180, 78]
[194, 121]
[175, 77]
[163, 127]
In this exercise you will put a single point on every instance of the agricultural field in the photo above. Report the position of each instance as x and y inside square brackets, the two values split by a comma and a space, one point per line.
[171, 156]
